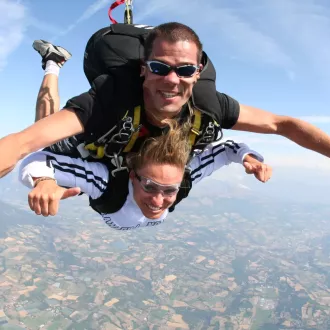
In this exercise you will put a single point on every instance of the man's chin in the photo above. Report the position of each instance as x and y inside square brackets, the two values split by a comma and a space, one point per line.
[171, 108]
[158, 118]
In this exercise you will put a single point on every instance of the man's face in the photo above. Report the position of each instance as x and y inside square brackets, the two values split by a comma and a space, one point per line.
[164, 96]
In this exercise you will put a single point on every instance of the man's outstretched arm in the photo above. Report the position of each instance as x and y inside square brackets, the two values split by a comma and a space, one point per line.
[306, 135]
[43, 133]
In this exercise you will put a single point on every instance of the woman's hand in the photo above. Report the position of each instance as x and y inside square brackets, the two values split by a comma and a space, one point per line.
[45, 197]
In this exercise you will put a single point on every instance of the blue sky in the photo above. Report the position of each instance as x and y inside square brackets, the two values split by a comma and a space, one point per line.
[272, 54]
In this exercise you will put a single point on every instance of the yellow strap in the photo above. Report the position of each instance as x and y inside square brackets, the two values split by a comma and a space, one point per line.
[99, 150]
[91, 147]
[195, 131]
[196, 127]
[136, 123]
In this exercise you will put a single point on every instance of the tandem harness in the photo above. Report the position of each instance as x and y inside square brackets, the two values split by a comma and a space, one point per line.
[122, 137]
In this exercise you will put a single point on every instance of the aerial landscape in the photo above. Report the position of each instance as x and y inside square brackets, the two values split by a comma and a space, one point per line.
[211, 265]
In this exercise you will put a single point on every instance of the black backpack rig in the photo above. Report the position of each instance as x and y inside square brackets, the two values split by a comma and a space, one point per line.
[117, 50]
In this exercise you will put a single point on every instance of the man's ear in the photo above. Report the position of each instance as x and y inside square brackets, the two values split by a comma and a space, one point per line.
[199, 71]
[143, 70]
[198, 74]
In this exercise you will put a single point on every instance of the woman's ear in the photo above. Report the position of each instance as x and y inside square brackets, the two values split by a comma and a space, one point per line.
[131, 175]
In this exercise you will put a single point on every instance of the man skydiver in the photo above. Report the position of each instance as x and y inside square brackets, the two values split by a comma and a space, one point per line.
[149, 190]
[171, 69]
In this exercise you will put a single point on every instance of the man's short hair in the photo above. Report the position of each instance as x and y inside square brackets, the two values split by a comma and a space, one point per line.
[172, 32]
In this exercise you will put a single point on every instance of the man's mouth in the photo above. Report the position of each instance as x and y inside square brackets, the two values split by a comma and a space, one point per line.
[169, 95]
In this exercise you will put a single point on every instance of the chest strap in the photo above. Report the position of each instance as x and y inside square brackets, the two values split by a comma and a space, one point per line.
[126, 135]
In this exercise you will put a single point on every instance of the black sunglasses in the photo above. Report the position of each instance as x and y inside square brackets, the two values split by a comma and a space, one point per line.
[162, 69]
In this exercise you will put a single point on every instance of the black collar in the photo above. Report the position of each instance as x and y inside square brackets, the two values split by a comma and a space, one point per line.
[155, 130]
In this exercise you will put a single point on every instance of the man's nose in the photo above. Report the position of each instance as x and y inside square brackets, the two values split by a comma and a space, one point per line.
[172, 77]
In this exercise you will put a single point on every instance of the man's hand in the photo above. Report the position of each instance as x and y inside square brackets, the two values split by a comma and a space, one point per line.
[45, 197]
[261, 171]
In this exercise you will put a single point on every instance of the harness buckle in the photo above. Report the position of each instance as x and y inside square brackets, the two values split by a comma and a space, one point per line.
[103, 139]
[208, 135]
[195, 131]
[117, 161]
[120, 137]
[210, 129]
[125, 132]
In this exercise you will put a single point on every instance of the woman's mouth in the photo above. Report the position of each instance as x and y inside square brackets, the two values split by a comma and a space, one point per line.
[153, 208]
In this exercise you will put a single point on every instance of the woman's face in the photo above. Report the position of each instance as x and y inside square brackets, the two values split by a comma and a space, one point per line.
[155, 188]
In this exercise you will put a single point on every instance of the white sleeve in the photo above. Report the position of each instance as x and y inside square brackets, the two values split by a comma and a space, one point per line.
[90, 177]
[217, 155]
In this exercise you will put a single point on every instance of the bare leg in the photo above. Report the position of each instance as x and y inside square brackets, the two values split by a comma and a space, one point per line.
[48, 101]
[53, 58]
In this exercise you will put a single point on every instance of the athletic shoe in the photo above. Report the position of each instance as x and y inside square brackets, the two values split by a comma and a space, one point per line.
[48, 52]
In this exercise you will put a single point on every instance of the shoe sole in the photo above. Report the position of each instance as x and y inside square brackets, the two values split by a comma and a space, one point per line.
[43, 47]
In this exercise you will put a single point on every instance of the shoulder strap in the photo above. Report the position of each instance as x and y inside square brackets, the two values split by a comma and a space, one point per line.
[196, 125]
[136, 124]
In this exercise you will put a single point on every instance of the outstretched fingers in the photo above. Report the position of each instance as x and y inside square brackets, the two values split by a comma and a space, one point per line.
[261, 171]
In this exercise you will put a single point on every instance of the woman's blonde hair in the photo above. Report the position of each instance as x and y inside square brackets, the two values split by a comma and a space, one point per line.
[171, 148]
